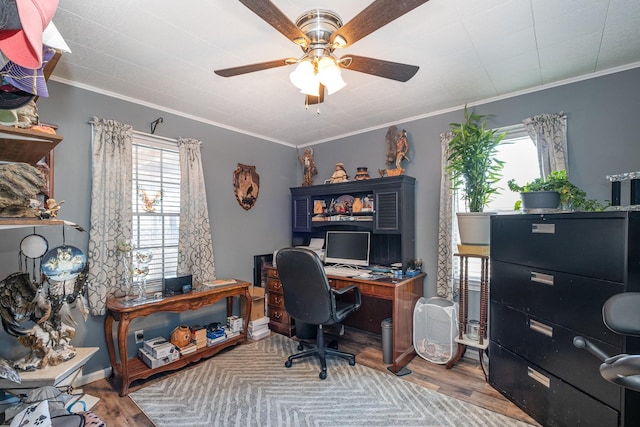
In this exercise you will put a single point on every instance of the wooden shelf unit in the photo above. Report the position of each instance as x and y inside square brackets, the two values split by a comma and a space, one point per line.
[131, 369]
[27, 146]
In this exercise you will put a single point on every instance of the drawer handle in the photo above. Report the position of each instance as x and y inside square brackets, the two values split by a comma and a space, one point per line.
[546, 279]
[532, 373]
[277, 315]
[543, 228]
[541, 328]
[277, 286]
[278, 300]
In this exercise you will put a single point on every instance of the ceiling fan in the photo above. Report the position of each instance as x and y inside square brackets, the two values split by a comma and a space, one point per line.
[319, 33]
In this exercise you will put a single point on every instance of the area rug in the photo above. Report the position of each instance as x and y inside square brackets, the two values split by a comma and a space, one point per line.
[250, 386]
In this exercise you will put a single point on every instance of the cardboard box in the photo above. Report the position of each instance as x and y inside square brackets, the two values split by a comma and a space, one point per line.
[258, 304]
[235, 323]
[158, 347]
[154, 362]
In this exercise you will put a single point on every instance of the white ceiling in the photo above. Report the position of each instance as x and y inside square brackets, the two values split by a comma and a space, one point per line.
[162, 53]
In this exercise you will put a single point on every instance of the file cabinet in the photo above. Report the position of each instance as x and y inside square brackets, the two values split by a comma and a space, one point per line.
[550, 276]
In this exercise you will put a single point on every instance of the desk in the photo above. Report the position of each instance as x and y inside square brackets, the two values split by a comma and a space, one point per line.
[61, 376]
[463, 314]
[130, 369]
[382, 298]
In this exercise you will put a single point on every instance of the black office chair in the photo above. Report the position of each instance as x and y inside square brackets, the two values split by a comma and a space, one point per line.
[308, 298]
[621, 314]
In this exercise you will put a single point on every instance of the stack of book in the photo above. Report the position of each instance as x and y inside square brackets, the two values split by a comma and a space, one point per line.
[216, 336]
[199, 336]
[259, 328]
[188, 349]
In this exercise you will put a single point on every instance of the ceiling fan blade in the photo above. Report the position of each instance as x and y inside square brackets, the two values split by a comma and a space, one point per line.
[278, 20]
[380, 68]
[376, 15]
[236, 71]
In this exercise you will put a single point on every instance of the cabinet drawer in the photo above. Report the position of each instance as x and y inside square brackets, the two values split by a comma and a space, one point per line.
[279, 315]
[276, 300]
[549, 400]
[589, 246]
[274, 285]
[556, 297]
[550, 347]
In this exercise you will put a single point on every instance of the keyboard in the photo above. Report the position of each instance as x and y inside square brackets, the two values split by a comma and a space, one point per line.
[331, 270]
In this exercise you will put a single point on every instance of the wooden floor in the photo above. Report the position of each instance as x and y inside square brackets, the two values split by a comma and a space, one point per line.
[465, 381]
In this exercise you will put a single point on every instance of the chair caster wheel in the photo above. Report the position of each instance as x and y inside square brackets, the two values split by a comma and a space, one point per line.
[300, 347]
[323, 375]
[352, 363]
[288, 364]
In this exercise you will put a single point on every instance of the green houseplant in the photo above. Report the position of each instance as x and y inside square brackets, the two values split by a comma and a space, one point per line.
[473, 162]
[571, 197]
[475, 169]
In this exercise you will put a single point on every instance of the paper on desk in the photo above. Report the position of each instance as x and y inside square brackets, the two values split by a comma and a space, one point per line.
[316, 243]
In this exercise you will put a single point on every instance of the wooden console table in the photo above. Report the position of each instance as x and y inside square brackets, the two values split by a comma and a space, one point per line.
[463, 314]
[128, 369]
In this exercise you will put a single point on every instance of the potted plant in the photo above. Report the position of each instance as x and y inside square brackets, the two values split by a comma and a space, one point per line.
[553, 191]
[475, 169]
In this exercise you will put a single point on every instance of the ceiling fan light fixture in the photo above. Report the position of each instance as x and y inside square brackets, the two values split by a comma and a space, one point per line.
[330, 74]
[300, 76]
[312, 87]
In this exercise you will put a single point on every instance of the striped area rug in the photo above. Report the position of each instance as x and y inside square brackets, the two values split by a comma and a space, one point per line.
[249, 386]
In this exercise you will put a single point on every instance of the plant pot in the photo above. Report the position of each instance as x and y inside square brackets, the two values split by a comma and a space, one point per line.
[474, 228]
[540, 200]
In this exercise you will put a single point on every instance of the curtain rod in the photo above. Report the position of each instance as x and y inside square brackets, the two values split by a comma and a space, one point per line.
[149, 135]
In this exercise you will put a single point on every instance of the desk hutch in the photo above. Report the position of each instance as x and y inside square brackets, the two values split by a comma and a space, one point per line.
[550, 276]
[391, 222]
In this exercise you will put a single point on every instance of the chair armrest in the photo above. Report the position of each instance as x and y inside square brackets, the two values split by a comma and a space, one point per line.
[356, 293]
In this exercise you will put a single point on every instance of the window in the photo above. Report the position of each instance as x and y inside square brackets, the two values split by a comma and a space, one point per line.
[156, 205]
[521, 164]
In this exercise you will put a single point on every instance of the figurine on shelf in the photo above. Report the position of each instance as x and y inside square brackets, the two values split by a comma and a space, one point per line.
[309, 166]
[397, 149]
[340, 174]
[52, 207]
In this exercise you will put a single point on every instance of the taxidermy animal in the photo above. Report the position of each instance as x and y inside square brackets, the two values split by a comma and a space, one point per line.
[40, 317]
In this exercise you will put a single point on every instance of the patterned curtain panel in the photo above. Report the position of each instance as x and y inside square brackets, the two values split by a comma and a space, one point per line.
[195, 245]
[549, 134]
[110, 211]
[446, 225]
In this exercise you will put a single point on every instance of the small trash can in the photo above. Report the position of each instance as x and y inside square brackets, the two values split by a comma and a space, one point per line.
[387, 341]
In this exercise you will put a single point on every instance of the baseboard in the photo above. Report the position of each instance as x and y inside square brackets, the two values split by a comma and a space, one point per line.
[92, 377]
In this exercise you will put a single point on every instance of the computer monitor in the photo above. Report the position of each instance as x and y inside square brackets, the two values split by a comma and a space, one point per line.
[347, 247]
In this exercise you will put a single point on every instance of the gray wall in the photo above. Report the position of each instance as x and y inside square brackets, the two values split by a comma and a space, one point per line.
[602, 140]
[237, 234]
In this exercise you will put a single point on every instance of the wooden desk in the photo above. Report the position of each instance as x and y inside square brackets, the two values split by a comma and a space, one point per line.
[131, 369]
[381, 299]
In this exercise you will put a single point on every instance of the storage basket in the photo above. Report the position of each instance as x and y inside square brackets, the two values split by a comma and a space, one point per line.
[435, 328]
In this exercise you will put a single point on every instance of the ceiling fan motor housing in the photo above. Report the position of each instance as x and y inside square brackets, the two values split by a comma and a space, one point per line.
[318, 25]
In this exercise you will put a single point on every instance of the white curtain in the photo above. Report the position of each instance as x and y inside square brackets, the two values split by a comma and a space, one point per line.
[549, 134]
[110, 211]
[195, 245]
[446, 225]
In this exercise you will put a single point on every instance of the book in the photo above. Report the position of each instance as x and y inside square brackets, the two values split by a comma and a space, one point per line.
[263, 333]
[261, 321]
[188, 349]
[219, 282]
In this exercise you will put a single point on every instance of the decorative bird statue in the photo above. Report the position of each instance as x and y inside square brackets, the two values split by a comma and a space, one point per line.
[47, 310]
[149, 203]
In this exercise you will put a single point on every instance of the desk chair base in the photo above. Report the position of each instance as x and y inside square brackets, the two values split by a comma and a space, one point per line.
[321, 351]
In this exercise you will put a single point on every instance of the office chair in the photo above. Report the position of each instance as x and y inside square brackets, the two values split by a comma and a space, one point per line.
[621, 314]
[308, 298]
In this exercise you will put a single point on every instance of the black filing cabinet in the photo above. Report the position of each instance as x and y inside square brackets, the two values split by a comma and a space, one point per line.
[550, 276]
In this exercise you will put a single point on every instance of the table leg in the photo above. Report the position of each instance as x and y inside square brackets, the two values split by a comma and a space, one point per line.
[108, 332]
[123, 330]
